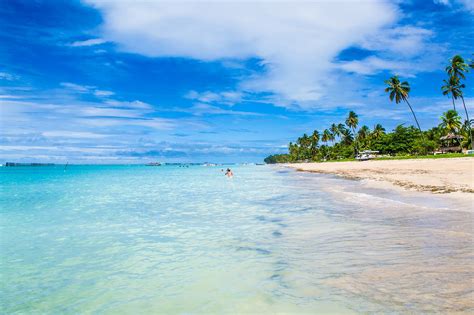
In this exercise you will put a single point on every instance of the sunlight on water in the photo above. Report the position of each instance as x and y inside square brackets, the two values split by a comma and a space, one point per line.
[127, 239]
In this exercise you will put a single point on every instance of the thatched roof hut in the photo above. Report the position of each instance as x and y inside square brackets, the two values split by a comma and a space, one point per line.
[451, 143]
[451, 136]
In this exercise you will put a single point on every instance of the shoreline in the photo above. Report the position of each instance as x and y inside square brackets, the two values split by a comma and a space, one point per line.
[449, 177]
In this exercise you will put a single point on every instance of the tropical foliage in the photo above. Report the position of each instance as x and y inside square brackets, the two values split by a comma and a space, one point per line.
[344, 140]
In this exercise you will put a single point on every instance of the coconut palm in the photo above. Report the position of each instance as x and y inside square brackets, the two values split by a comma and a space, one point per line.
[326, 136]
[334, 131]
[450, 121]
[352, 120]
[341, 129]
[457, 67]
[346, 136]
[400, 91]
[452, 87]
[314, 142]
[304, 143]
[460, 94]
[363, 136]
[378, 131]
[330, 136]
[466, 132]
[363, 133]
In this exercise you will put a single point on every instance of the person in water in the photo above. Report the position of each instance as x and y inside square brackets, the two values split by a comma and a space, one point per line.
[229, 173]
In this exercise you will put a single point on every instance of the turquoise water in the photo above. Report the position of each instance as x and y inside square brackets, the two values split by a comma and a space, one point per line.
[136, 239]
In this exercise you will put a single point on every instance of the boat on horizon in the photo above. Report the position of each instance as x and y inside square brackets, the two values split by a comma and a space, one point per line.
[153, 164]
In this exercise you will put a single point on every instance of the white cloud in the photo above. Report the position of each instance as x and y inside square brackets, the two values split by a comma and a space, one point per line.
[126, 104]
[296, 42]
[86, 89]
[225, 97]
[89, 42]
[77, 87]
[406, 41]
[101, 93]
[444, 2]
[467, 4]
[72, 134]
[8, 76]
[206, 109]
[371, 65]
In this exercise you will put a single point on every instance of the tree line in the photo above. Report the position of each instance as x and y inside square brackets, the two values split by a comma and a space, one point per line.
[344, 140]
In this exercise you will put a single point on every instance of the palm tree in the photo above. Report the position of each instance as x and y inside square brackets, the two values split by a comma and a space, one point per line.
[457, 67]
[314, 142]
[467, 115]
[293, 149]
[346, 136]
[466, 132]
[341, 129]
[450, 121]
[352, 120]
[452, 87]
[330, 136]
[326, 136]
[378, 131]
[364, 131]
[363, 136]
[400, 91]
[334, 131]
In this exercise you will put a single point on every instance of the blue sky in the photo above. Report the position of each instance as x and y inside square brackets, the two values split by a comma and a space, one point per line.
[128, 82]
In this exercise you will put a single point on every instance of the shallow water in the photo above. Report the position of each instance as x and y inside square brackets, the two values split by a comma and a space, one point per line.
[135, 239]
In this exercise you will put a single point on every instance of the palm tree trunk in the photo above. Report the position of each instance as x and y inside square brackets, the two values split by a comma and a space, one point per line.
[468, 121]
[416, 120]
[454, 104]
[356, 150]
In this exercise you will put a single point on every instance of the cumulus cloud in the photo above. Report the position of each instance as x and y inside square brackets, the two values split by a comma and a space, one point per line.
[295, 41]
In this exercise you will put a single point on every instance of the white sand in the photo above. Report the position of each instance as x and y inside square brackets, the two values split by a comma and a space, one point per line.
[434, 175]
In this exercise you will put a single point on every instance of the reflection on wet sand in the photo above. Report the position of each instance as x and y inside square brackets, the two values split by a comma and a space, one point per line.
[391, 255]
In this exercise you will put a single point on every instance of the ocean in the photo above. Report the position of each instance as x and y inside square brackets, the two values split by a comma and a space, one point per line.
[174, 240]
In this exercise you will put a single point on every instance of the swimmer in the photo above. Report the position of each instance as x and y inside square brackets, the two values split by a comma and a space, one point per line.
[229, 173]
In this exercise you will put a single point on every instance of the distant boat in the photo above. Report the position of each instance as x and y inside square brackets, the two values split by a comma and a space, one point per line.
[153, 164]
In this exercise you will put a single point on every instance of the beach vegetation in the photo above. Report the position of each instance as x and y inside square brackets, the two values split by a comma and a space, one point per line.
[400, 91]
[342, 141]
[456, 70]
[451, 121]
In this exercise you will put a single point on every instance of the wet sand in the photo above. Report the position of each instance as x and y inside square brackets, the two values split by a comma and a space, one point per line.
[400, 251]
[453, 175]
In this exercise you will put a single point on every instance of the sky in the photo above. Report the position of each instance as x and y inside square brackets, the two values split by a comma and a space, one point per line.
[99, 81]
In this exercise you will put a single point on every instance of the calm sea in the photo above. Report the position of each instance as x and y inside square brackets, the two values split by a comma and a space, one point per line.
[137, 239]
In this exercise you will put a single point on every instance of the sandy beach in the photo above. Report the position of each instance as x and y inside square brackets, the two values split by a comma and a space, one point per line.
[433, 175]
